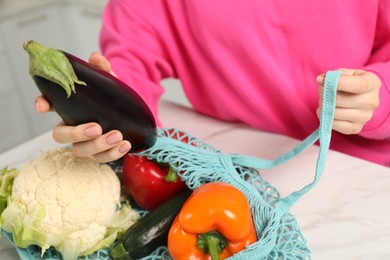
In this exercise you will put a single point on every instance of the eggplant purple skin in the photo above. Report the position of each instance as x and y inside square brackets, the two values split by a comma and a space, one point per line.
[105, 100]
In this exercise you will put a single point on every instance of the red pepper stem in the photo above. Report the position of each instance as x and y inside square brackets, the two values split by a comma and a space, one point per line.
[212, 243]
[171, 175]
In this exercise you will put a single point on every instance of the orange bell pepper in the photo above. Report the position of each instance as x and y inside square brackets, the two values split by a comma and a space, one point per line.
[214, 223]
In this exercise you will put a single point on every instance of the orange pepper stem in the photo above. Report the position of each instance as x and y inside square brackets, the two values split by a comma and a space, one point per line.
[212, 243]
[171, 175]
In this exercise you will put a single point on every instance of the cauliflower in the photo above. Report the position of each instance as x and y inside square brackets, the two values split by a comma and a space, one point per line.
[67, 202]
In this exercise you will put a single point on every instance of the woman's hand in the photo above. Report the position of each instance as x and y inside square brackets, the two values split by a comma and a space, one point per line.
[87, 139]
[357, 98]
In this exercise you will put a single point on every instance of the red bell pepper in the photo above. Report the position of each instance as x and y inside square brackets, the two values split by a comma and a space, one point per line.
[150, 183]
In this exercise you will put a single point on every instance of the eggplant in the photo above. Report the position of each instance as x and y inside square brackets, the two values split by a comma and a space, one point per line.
[90, 95]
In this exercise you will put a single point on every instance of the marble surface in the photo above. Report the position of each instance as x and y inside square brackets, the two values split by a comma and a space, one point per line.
[345, 216]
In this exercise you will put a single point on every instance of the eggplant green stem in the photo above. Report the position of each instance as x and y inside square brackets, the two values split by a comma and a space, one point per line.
[53, 65]
[212, 243]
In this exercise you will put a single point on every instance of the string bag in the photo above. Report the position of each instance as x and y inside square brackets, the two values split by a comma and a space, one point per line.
[197, 163]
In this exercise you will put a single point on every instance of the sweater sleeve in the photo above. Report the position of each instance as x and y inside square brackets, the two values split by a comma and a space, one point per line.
[133, 47]
[379, 63]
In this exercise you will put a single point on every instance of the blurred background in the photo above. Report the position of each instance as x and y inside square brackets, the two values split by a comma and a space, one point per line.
[69, 25]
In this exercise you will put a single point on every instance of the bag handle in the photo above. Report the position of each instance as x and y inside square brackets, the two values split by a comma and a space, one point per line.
[323, 134]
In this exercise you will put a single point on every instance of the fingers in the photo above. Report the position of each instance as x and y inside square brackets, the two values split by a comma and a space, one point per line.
[354, 81]
[347, 127]
[98, 61]
[356, 99]
[114, 153]
[42, 105]
[349, 121]
[71, 134]
[97, 145]
[88, 140]
[360, 116]
[353, 100]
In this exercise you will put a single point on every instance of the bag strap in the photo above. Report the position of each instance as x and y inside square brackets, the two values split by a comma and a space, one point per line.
[323, 134]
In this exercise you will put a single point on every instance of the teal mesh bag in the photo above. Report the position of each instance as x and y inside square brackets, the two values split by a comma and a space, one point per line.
[279, 236]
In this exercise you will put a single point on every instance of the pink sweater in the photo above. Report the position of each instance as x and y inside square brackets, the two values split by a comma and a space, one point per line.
[254, 61]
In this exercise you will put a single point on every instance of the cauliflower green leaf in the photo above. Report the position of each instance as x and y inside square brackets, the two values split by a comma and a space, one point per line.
[7, 177]
[66, 202]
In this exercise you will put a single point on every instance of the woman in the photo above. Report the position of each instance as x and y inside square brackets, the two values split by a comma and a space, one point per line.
[257, 62]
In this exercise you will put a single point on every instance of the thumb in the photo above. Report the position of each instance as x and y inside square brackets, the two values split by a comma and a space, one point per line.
[320, 79]
[98, 61]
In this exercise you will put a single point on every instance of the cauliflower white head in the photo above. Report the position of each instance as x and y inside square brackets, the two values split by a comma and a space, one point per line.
[64, 201]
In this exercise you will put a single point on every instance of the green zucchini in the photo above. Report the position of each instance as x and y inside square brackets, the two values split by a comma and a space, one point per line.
[149, 233]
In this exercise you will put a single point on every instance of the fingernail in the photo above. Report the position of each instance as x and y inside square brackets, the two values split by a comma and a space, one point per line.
[320, 78]
[92, 131]
[124, 147]
[96, 54]
[114, 138]
[37, 107]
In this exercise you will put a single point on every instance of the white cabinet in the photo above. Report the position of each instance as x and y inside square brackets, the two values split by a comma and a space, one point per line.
[83, 25]
[42, 25]
[6, 83]
[13, 126]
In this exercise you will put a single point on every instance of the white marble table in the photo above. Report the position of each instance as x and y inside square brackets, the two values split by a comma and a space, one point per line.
[346, 216]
